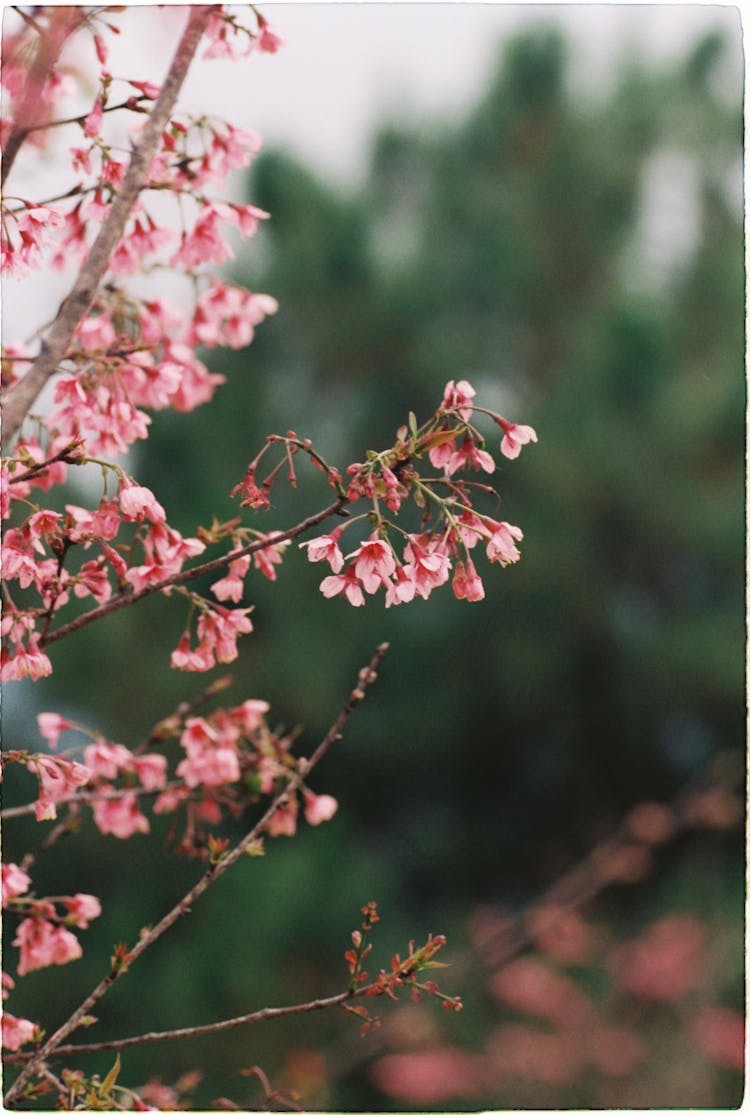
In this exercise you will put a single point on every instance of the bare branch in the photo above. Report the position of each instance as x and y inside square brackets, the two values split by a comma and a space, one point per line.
[263, 1015]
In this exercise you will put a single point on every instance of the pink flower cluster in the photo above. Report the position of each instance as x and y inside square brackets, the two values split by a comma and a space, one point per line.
[453, 445]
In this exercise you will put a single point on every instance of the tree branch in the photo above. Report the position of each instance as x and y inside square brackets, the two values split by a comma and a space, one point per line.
[148, 937]
[22, 394]
[123, 601]
[208, 1028]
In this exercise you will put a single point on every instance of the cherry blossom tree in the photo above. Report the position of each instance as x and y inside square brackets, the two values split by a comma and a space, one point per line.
[146, 196]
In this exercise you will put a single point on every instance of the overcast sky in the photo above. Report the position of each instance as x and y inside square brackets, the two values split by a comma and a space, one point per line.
[347, 65]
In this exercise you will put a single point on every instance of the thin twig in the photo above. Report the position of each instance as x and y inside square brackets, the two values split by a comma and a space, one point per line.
[365, 678]
[125, 600]
[209, 1028]
[21, 395]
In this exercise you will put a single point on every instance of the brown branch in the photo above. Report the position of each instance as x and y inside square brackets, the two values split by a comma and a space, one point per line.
[68, 455]
[22, 394]
[148, 937]
[210, 1027]
[125, 600]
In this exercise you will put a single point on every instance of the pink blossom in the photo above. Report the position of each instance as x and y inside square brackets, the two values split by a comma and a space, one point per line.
[58, 779]
[502, 543]
[119, 816]
[15, 882]
[82, 908]
[283, 822]
[231, 586]
[227, 315]
[458, 396]
[345, 583]
[219, 628]
[267, 40]
[138, 503]
[374, 563]
[27, 662]
[151, 770]
[185, 658]
[213, 766]
[95, 334]
[265, 559]
[469, 456]
[42, 944]
[106, 760]
[92, 579]
[402, 589]
[467, 584]
[16, 1031]
[319, 808]
[428, 565]
[148, 89]
[51, 726]
[251, 713]
[326, 548]
[93, 123]
[514, 437]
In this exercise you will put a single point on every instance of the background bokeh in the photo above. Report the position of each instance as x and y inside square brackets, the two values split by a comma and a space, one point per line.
[577, 257]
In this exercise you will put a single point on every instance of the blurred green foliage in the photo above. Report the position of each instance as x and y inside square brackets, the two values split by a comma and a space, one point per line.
[528, 249]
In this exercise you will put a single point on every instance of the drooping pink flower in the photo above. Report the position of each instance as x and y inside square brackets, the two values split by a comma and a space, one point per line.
[42, 944]
[151, 769]
[267, 40]
[16, 1031]
[326, 548]
[345, 584]
[106, 760]
[26, 662]
[138, 503]
[82, 909]
[427, 563]
[374, 563]
[219, 629]
[467, 584]
[185, 658]
[58, 779]
[401, 589]
[92, 125]
[469, 456]
[231, 586]
[514, 437]
[209, 766]
[250, 713]
[119, 816]
[319, 808]
[51, 726]
[265, 559]
[15, 882]
[458, 396]
[283, 822]
[502, 543]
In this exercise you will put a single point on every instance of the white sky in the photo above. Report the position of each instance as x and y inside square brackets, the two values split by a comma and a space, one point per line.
[347, 65]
